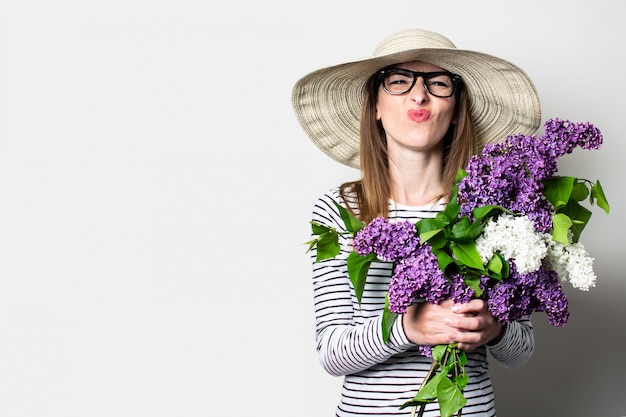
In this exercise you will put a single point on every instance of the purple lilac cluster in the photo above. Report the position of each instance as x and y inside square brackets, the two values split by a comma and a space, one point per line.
[461, 292]
[511, 173]
[417, 276]
[522, 294]
[416, 272]
[389, 241]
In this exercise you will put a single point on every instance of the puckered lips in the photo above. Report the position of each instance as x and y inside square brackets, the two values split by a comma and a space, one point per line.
[418, 115]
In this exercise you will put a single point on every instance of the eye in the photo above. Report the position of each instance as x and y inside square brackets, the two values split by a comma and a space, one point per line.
[439, 81]
[399, 78]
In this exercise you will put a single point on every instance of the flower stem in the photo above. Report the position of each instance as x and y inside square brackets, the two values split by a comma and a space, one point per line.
[457, 371]
[431, 372]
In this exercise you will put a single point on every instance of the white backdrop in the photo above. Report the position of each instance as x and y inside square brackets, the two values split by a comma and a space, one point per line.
[155, 192]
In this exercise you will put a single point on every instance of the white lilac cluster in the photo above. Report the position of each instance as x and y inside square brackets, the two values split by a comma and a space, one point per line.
[571, 262]
[515, 238]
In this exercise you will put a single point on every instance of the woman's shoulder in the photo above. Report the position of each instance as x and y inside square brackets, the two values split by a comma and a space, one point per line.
[327, 200]
[325, 209]
[332, 193]
[342, 195]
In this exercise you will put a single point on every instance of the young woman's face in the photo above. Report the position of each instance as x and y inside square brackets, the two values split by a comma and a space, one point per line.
[416, 120]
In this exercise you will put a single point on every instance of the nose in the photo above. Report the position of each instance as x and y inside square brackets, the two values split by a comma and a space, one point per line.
[419, 93]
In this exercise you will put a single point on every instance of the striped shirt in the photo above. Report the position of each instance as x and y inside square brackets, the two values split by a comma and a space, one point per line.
[379, 377]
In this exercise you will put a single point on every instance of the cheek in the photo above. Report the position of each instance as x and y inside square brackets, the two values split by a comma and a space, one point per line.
[387, 108]
[447, 115]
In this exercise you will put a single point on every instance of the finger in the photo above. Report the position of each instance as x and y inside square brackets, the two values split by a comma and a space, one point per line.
[472, 307]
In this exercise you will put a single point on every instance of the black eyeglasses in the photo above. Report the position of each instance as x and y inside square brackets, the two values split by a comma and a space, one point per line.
[441, 84]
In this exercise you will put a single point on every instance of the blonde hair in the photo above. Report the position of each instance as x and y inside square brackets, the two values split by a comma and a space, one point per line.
[373, 190]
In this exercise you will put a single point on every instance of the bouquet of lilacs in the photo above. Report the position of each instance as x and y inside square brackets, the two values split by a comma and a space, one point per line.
[509, 234]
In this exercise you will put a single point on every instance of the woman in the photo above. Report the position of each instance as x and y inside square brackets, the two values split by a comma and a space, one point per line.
[409, 117]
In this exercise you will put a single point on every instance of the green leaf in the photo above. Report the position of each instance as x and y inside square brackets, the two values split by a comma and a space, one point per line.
[319, 228]
[473, 281]
[439, 351]
[475, 230]
[561, 224]
[580, 217]
[460, 376]
[430, 224]
[430, 228]
[462, 357]
[558, 190]
[327, 246]
[453, 208]
[426, 236]
[444, 260]
[460, 174]
[597, 193]
[436, 241]
[353, 224]
[495, 264]
[467, 253]
[312, 243]
[389, 317]
[450, 397]
[446, 391]
[459, 230]
[579, 191]
[461, 381]
[485, 212]
[498, 267]
[358, 266]
[327, 242]
[443, 218]
[428, 392]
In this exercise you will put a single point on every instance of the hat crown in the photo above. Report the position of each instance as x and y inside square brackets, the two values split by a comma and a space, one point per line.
[410, 40]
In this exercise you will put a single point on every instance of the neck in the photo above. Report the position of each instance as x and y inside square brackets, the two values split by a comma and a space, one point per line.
[418, 183]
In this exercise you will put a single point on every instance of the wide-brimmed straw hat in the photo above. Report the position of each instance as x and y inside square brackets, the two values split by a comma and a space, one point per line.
[328, 102]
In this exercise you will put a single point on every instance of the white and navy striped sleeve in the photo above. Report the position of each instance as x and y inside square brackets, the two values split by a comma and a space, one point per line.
[517, 344]
[349, 335]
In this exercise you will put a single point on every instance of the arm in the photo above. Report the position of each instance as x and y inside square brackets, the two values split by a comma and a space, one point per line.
[349, 336]
[516, 345]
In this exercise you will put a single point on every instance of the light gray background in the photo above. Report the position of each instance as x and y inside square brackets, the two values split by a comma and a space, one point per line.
[155, 192]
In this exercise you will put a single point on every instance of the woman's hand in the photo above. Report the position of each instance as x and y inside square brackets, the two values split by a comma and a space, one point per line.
[470, 324]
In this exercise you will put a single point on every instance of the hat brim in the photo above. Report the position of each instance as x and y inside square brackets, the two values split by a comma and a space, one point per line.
[328, 102]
